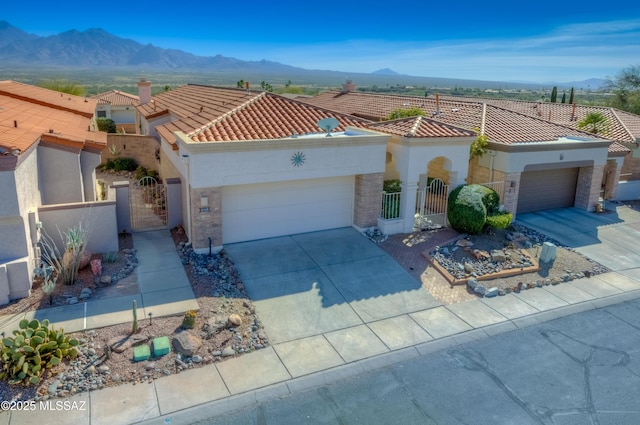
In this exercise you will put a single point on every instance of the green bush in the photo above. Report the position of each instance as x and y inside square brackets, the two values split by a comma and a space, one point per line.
[490, 198]
[34, 348]
[106, 124]
[499, 221]
[469, 207]
[392, 186]
[142, 172]
[466, 211]
[121, 164]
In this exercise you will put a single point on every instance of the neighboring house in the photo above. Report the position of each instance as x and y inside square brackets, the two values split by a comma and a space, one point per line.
[543, 164]
[120, 107]
[49, 149]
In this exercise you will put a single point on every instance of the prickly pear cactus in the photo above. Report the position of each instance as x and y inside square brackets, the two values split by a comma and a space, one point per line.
[35, 347]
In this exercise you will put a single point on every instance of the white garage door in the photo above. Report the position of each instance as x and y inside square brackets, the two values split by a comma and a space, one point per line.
[266, 210]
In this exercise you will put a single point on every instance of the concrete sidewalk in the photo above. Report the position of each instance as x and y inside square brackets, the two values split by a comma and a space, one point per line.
[294, 366]
[164, 290]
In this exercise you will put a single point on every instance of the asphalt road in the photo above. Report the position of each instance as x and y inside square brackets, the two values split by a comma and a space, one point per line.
[582, 369]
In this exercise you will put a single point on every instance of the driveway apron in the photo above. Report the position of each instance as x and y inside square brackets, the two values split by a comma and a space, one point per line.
[314, 283]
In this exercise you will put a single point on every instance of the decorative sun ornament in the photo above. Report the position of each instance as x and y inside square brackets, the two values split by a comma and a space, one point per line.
[297, 159]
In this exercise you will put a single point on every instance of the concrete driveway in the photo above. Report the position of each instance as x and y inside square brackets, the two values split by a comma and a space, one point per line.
[315, 283]
[611, 238]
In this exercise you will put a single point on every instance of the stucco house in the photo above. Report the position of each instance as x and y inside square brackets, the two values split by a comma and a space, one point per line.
[543, 164]
[253, 164]
[49, 149]
[119, 107]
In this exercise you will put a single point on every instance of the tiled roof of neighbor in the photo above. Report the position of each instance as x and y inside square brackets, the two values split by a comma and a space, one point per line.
[420, 127]
[116, 97]
[27, 112]
[209, 114]
[623, 126]
[501, 124]
[51, 98]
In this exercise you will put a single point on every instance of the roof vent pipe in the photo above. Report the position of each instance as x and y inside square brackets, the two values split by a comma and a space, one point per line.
[15, 123]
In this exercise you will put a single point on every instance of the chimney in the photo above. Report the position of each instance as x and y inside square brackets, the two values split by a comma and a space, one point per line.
[348, 87]
[144, 91]
[573, 112]
[437, 104]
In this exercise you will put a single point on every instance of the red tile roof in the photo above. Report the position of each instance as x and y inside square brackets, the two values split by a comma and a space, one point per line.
[28, 112]
[116, 97]
[420, 127]
[209, 114]
[501, 124]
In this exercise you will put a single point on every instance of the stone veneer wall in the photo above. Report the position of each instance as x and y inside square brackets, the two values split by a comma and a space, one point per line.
[511, 190]
[588, 187]
[630, 168]
[206, 224]
[140, 148]
[368, 198]
[610, 179]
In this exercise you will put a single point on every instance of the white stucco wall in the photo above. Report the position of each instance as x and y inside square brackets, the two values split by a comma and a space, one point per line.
[60, 175]
[548, 153]
[412, 156]
[88, 163]
[234, 163]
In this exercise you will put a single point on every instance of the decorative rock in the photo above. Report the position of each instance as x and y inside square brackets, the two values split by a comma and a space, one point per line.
[468, 267]
[103, 369]
[196, 359]
[235, 320]
[491, 292]
[186, 343]
[480, 290]
[228, 351]
[72, 300]
[464, 242]
[85, 293]
[498, 256]
[105, 280]
[481, 255]
[141, 352]
[472, 282]
[161, 346]
[96, 266]
[216, 353]
[150, 366]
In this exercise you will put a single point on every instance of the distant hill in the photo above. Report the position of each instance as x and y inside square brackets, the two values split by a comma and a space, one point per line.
[385, 71]
[97, 48]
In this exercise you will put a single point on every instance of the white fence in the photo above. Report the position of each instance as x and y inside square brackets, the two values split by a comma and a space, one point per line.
[390, 205]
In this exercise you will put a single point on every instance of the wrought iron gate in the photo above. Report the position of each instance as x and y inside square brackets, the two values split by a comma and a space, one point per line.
[431, 204]
[147, 204]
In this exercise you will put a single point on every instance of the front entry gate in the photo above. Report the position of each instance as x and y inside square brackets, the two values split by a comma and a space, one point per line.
[147, 205]
[431, 205]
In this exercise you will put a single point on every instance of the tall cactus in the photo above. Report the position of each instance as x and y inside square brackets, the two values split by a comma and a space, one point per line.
[134, 328]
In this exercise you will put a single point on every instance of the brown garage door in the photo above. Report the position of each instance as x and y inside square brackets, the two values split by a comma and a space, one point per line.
[547, 189]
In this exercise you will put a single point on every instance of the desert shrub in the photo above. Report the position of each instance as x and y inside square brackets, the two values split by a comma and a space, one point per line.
[490, 198]
[121, 164]
[392, 186]
[466, 211]
[499, 221]
[106, 124]
[142, 172]
[35, 347]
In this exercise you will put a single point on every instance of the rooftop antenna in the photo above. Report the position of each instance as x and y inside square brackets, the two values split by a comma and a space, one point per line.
[328, 124]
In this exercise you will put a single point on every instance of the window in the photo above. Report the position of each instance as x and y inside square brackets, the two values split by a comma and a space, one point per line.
[102, 114]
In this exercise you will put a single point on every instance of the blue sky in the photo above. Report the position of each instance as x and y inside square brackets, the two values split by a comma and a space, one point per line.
[537, 40]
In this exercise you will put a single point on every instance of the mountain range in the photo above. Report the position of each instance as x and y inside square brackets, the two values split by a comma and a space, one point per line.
[96, 48]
